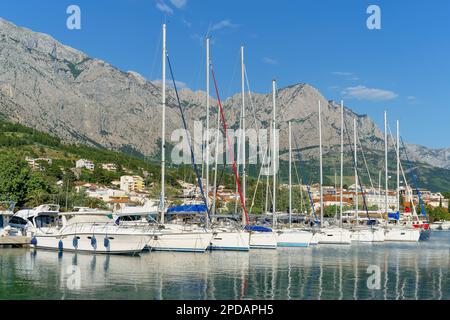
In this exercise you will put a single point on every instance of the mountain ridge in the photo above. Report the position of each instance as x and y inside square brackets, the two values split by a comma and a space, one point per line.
[61, 90]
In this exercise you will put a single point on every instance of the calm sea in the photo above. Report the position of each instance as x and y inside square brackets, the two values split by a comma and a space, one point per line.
[365, 271]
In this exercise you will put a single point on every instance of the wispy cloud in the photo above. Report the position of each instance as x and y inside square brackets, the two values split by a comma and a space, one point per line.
[179, 4]
[346, 74]
[163, 7]
[271, 61]
[186, 23]
[372, 94]
[342, 73]
[412, 99]
[223, 24]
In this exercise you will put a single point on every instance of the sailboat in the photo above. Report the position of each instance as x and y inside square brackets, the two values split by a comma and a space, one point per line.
[286, 237]
[226, 235]
[260, 237]
[395, 232]
[329, 234]
[173, 236]
[362, 233]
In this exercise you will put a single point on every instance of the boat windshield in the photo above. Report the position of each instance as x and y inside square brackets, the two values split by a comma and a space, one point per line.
[42, 221]
[88, 218]
[132, 218]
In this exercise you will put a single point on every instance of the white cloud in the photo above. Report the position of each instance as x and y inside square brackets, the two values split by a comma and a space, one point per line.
[411, 98]
[268, 60]
[342, 73]
[163, 7]
[364, 93]
[179, 4]
[223, 24]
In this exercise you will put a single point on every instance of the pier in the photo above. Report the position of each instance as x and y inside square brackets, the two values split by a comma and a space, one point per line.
[16, 242]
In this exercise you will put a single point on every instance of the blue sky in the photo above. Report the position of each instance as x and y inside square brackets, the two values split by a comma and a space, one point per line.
[404, 67]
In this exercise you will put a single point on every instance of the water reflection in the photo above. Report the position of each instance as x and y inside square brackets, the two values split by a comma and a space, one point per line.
[408, 271]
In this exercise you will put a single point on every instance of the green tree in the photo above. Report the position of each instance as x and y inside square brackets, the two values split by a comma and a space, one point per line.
[19, 183]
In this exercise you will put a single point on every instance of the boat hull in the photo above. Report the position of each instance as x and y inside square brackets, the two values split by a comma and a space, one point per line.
[180, 242]
[230, 241]
[401, 235]
[332, 236]
[294, 238]
[367, 235]
[117, 243]
[263, 240]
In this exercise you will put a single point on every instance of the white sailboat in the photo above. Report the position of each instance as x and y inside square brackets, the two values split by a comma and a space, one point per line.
[361, 233]
[173, 236]
[395, 232]
[259, 238]
[333, 234]
[286, 237]
[226, 235]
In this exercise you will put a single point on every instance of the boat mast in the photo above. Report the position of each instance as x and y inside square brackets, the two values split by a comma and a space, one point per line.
[342, 163]
[290, 175]
[379, 191]
[274, 83]
[321, 164]
[216, 160]
[386, 167]
[207, 130]
[398, 166]
[163, 131]
[267, 179]
[356, 172]
[243, 132]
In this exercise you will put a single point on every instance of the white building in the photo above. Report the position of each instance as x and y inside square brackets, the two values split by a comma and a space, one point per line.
[83, 163]
[34, 163]
[109, 167]
[379, 200]
[131, 183]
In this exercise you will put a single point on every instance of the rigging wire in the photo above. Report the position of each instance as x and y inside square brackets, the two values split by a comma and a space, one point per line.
[199, 181]
[229, 143]
[359, 180]
[313, 211]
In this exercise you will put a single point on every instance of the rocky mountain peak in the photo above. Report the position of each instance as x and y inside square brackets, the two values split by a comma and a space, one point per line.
[47, 85]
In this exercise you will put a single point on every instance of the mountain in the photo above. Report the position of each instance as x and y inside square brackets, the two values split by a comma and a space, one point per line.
[62, 91]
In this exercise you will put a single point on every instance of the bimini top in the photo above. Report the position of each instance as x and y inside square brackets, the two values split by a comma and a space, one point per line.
[42, 210]
[191, 208]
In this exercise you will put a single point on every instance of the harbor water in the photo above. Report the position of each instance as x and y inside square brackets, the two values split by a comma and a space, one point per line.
[360, 271]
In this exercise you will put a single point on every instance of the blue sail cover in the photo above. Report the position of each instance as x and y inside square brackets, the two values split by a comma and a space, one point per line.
[258, 229]
[395, 215]
[193, 208]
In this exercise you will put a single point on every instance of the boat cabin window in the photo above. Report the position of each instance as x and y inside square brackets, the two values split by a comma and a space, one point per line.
[130, 218]
[17, 221]
[45, 221]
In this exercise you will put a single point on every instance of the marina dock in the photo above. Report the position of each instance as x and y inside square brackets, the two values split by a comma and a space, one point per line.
[15, 241]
